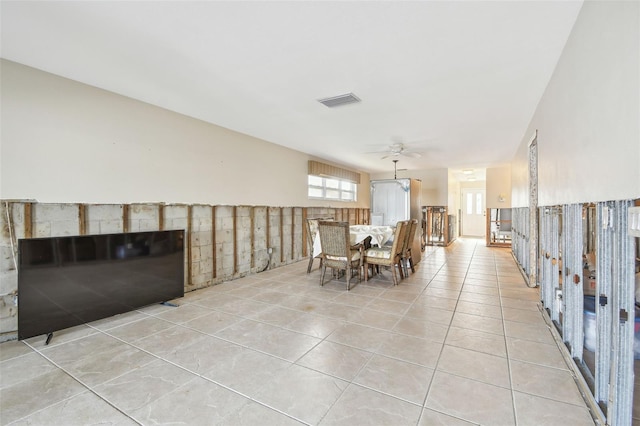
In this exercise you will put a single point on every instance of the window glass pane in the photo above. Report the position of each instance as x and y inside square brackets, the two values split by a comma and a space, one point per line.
[479, 203]
[315, 180]
[333, 183]
[331, 189]
[332, 193]
[315, 192]
[469, 203]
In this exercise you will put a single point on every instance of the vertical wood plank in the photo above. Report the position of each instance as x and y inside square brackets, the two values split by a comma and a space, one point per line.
[125, 218]
[235, 240]
[28, 220]
[82, 219]
[161, 217]
[213, 241]
[304, 232]
[281, 235]
[252, 216]
[189, 242]
[268, 230]
[293, 227]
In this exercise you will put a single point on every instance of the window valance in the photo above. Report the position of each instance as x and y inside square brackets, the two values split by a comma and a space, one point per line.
[317, 168]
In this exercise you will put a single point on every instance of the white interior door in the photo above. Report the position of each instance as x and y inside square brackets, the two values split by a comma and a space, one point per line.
[473, 212]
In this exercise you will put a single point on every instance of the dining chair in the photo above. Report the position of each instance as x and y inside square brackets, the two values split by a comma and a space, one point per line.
[407, 261]
[389, 256]
[337, 251]
[312, 231]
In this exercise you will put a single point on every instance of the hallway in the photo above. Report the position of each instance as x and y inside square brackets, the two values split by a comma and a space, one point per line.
[459, 342]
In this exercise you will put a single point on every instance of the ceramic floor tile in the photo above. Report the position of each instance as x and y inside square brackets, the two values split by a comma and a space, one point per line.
[520, 294]
[83, 409]
[213, 322]
[475, 365]
[23, 368]
[534, 352]
[144, 385]
[198, 402]
[481, 309]
[276, 315]
[470, 400]
[423, 329]
[523, 315]
[108, 365]
[361, 406]
[535, 332]
[13, 349]
[183, 313]
[29, 396]
[411, 349]
[375, 319]
[358, 336]
[492, 344]
[433, 418]
[480, 298]
[335, 359]
[442, 292]
[315, 325]
[427, 313]
[388, 306]
[397, 378]
[320, 392]
[253, 413]
[246, 371]
[293, 363]
[137, 330]
[537, 411]
[61, 336]
[478, 322]
[552, 383]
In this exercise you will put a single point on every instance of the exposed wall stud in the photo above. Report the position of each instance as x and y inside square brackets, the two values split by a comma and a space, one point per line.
[125, 218]
[252, 216]
[235, 240]
[304, 232]
[189, 242]
[82, 219]
[28, 220]
[213, 241]
[293, 234]
[281, 234]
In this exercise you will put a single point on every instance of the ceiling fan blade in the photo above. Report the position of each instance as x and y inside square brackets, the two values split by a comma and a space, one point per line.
[412, 154]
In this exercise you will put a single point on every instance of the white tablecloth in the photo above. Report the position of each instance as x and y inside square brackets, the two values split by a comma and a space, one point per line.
[358, 233]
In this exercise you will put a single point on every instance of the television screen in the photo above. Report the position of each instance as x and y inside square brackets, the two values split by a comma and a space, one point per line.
[67, 281]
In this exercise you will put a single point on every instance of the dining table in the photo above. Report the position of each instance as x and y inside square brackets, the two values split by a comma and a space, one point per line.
[358, 233]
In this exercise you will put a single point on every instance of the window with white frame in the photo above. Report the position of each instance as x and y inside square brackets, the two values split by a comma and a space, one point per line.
[326, 188]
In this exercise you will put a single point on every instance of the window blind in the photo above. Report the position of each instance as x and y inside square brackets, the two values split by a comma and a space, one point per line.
[317, 168]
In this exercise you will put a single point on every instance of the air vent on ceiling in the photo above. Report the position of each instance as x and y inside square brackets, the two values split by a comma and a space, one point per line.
[335, 101]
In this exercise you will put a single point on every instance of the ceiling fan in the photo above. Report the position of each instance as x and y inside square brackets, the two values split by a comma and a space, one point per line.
[397, 150]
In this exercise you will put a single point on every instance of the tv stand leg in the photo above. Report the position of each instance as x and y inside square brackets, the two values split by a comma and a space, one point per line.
[49, 337]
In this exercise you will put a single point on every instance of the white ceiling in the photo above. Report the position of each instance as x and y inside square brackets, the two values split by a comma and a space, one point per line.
[456, 80]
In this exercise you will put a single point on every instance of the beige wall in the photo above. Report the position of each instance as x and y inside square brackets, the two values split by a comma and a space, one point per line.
[498, 187]
[63, 141]
[588, 120]
[434, 184]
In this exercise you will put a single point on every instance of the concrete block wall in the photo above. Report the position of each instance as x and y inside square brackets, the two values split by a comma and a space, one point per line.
[222, 243]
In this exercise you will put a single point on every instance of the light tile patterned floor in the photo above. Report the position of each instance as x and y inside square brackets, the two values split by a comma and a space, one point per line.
[459, 342]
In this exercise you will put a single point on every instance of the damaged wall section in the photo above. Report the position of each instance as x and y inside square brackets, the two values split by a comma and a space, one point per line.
[223, 242]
